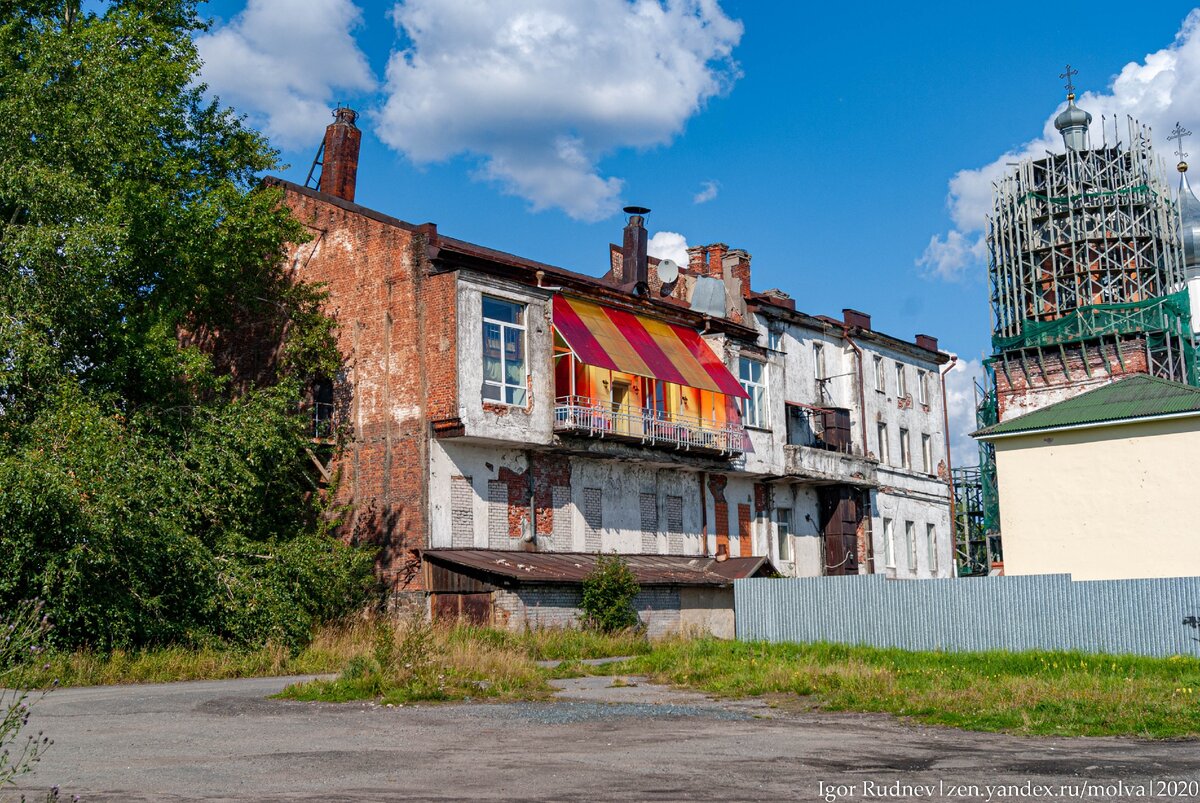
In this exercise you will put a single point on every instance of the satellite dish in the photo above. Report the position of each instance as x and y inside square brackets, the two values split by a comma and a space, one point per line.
[668, 271]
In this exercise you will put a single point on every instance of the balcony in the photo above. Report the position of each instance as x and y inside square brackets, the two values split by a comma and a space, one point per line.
[826, 465]
[587, 416]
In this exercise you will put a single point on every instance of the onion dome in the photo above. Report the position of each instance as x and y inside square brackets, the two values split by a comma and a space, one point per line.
[1072, 122]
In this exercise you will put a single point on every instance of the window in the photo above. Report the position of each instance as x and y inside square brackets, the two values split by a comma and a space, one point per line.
[927, 454]
[505, 378]
[901, 382]
[753, 375]
[783, 532]
[905, 453]
[889, 543]
[931, 540]
[922, 389]
[910, 539]
[775, 339]
[880, 376]
[883, 443]
[819, 359]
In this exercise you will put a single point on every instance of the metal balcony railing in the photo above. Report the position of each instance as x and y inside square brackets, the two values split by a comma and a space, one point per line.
[597, 418]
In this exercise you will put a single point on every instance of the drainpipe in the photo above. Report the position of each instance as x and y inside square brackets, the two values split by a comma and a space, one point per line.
[704, 512]
[529, 538]
[946, 431]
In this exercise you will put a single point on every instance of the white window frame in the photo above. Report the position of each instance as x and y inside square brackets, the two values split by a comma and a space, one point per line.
[819, 370]
[931, 538]
[884, 453]
[922, 388]
[880, 375]
[889, 542]
[901, 381]
[927, 452]
[754, 409]
[783, 534]
[905, 449]
[774, 339]
[910, 537]
[504, 385]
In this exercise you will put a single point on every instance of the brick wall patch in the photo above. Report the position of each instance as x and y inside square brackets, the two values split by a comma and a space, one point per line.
[462, 513]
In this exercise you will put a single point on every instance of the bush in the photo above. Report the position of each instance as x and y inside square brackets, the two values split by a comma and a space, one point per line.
[608, 593]
[22, 633]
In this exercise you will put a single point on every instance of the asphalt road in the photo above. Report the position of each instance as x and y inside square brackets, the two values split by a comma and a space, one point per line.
[225, 740]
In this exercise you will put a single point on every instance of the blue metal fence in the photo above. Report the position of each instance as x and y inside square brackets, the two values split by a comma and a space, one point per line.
[1046, 612]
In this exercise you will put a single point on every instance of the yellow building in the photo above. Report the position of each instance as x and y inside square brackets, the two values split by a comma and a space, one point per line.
[1103, 485]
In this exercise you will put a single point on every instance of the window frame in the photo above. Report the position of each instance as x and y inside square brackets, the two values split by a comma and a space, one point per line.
[901, 380]
[819, 369]
[783, 534]
[758, 393]
[922, 387]
[885, 452]
[504, 385]
[910, 536]
[931, 539]
[889, 542]
[905, 449]
[880, 375]
[927, 452]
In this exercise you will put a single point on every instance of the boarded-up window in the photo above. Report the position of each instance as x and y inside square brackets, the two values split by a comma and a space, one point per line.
[462, 513]
[648, 508]
[498, 514]
[593, 521]
[564, 530]
[675, 525]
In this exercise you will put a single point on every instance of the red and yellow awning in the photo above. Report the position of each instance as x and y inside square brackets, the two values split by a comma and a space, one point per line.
[634, 344]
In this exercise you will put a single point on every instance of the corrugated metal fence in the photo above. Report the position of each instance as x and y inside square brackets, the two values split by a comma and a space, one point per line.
[1047, 612]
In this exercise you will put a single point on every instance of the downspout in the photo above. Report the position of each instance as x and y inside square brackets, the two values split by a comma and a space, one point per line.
[862, 415]
[529, 538]
[704, 512]
[946, 431]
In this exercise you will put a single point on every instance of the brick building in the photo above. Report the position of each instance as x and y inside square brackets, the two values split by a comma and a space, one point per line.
[492, 402]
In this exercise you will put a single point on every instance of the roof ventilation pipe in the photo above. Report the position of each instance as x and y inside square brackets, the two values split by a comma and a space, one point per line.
[633, 250]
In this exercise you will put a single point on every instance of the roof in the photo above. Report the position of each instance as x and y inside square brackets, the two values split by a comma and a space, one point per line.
[573, 567]
[1137, 397]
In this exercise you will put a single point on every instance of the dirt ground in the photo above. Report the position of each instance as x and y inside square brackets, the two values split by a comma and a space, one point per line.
[224, 740]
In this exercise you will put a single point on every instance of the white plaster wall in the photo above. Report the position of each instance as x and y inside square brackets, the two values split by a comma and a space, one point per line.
[1101, 503]
[533, 423]
[902, 506]
[451, 458]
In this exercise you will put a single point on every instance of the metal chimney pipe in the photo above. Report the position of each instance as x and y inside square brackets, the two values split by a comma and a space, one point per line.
[633, 251]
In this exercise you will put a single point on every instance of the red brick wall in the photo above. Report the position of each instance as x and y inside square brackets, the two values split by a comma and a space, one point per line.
[382, 300]
[1031, 385]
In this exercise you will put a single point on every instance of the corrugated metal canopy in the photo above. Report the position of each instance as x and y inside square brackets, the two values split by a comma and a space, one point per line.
[635, 344]
[573, 567]
[1138, 396]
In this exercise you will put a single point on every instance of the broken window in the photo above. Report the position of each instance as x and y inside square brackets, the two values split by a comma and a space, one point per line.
[922, 389]
[505, 378]
[880, 376]
[901, 381]
[322, 409]
[883, 443]
[905, 453]
[819, 360]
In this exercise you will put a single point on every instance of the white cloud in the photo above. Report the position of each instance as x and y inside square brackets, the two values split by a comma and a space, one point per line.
[540, 90]
[668, 245]
[282, 63]
[708, 191]
[960, 404]
[1160, 90]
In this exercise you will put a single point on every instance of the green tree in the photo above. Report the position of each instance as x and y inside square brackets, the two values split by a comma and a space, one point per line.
[154, 484]
[608, 593]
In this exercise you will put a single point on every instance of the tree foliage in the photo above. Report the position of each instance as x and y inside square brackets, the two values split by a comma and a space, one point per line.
[608, 593]
[154, 484]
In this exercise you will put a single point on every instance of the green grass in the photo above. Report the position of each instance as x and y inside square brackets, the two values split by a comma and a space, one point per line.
[1042, 693]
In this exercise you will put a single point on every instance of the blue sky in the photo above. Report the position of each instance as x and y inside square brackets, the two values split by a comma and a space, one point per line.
[823, 139]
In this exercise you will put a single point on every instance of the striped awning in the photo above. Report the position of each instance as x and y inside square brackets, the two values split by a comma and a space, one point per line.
[634, 344]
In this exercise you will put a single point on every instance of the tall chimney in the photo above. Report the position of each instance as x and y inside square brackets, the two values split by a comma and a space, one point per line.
[633, 252]
[339, 168]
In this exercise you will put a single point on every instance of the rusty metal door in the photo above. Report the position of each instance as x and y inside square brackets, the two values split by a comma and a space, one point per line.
[840, 517]
[475, 609]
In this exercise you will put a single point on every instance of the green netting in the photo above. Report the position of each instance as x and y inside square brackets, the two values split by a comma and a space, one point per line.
[1166, 315]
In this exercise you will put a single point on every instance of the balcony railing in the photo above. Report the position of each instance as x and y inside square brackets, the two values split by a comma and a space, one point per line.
[597, 418]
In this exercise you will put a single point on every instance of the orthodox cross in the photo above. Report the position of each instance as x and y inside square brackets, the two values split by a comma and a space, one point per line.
[1179, 132]
[1070, 85]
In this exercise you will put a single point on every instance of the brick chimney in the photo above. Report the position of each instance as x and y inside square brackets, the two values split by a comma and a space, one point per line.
[708, 260]
[634, 265]
[339, 165]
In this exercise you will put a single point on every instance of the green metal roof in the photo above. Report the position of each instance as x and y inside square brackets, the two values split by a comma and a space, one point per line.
[1138, 396]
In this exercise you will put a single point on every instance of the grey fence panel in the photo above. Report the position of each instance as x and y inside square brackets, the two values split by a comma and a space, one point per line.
[1048, 612]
